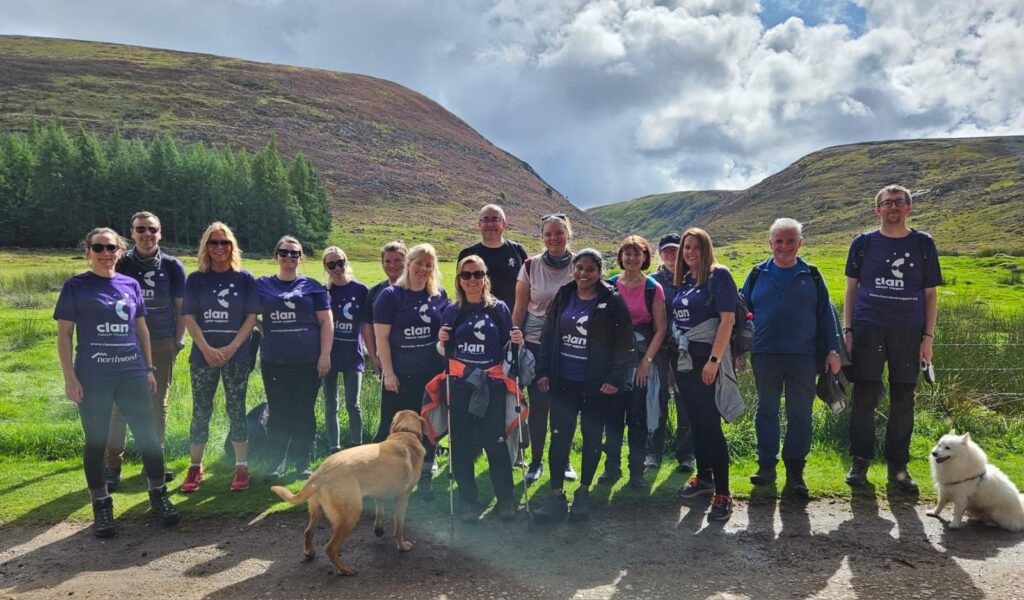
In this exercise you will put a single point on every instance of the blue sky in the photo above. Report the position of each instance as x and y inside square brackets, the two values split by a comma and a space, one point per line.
[614, 99]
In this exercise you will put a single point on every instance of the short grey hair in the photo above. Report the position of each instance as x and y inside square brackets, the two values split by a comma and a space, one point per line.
[496, 208]
[784, 224]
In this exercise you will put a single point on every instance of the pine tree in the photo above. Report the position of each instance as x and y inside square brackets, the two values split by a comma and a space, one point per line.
[312, 199]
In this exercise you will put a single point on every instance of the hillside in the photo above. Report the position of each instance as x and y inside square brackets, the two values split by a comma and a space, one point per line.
[655, 215]
[393, 161]
[969, 193]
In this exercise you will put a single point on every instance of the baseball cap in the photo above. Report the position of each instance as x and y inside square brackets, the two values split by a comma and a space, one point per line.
[671, 239]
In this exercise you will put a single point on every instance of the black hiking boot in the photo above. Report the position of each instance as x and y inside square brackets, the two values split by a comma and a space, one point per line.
[553, 510]
[580, 510]
[765, 474]
[795, 480]
[162, 507]
[103, 525]
[610, 476]
[899, 476]
[858, 474]
[113, 478]
[425, 488]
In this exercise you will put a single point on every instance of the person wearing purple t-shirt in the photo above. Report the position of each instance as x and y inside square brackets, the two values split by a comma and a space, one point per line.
[406, 319]
[889, 318]
[112, 364]
[298, 334]
[704, 291]
[474, 333]
[220, 311]
[585, 355]
[392, 261]
[162, 279]
[348, 297]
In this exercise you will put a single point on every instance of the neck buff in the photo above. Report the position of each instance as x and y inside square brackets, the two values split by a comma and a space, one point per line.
[152, 262]
[557, 262]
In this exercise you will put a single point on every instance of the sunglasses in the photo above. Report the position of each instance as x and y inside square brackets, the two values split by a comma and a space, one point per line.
[467, 275]
[144, 229]
[332, 264]
[218, 242]
[98, 248]
[285, 253]
[553, 216]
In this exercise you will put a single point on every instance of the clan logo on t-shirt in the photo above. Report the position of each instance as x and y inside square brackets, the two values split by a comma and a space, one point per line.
[896, 266]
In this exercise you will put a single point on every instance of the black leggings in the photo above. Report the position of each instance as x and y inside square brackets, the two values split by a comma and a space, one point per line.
[133, 399]
[567, 403]
[627, 409]
[291, 395]
[709, 444]
[469, 434]
[411, 387]
[540, 406]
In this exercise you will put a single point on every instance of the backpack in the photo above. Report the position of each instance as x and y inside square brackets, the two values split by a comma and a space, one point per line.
[742, 339]
[860, 247]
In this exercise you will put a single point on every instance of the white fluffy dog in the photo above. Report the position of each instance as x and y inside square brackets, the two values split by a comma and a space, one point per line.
[963, 476]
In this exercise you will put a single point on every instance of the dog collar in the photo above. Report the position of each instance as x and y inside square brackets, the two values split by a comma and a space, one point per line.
[978, 476]
[404, 430]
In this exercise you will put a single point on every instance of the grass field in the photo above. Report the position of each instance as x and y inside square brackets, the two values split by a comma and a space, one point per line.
[981, 327]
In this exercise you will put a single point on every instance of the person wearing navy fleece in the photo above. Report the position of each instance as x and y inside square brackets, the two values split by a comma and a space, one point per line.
[348, 297]
[474, 333]
[298, 334]
[791, 313]
[406, 319]
[112, 365]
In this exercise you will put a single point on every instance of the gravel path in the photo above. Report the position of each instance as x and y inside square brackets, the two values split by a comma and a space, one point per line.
[770, 549]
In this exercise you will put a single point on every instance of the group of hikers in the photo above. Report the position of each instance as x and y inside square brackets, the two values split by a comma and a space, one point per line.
[525, 342]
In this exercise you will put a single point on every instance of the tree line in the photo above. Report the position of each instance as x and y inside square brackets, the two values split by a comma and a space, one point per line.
[54, 187]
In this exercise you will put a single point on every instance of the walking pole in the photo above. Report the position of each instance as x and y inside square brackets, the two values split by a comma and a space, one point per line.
[519, 417]
[451, 470]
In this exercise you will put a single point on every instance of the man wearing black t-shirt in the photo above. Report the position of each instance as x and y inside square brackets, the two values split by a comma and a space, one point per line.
[502, 257]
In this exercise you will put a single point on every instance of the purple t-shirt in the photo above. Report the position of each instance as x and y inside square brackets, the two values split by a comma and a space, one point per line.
[893, 276]
[347, 303]
[573, 329]
[161, 286]
[291, 333]
[415, 318]
[478, 340]
[104, 312]
[690, 307]
[220, 303]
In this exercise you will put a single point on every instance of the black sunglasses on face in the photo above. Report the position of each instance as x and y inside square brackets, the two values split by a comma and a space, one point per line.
[467, 275]
[98, 248]
[218, 242]
[331, 264]
[285, 253]
[144, 229]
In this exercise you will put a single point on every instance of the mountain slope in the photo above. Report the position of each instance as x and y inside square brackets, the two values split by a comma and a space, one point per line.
[394, 162]
[654, 216]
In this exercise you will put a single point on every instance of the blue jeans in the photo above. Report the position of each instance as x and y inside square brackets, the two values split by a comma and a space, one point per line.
[353, 380]
[795, 374]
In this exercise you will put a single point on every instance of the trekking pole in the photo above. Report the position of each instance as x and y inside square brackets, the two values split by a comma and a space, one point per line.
[519, 418]
[451, 470]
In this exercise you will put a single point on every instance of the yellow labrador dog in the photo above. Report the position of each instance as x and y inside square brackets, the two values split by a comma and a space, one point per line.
[389, 469]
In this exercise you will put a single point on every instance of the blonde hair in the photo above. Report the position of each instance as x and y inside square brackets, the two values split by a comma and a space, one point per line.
[460, 294]
[707, 258]
[435, 275]
[203, 255]
[349, 273]
[893, 188]
[559, 218]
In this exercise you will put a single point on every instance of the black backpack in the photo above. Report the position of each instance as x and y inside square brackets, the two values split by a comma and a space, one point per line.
[742, 339]
[860, 247]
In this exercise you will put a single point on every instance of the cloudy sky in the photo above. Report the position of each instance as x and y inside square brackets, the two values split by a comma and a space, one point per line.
[612, 99]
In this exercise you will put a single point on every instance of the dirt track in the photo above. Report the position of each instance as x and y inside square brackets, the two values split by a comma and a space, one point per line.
[828, 549]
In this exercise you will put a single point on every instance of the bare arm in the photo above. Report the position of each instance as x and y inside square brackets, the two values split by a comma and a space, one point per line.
[179, 321]
[370, 339]
[382, 332]
[72, 387]
[850, 302]
[326, 321]
[522, 300]
[710, 371]
[214, 357]
[931, 311]
[142, 332]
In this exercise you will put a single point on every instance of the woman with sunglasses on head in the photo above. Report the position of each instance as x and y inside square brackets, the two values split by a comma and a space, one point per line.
[298, 334]
[348, 297]
[473, 336]
[220, 311]
[112, 365]
[539, 280]
[586, 353]
[406, 319]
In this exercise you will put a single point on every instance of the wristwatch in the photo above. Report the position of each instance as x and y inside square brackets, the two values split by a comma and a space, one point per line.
[649, 359]
[151, 369]
[713, 359]
[179, 345]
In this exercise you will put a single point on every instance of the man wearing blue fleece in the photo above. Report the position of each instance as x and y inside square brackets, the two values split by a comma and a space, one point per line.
[792, 313]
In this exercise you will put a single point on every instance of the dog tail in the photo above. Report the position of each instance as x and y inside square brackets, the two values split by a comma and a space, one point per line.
[291, 498]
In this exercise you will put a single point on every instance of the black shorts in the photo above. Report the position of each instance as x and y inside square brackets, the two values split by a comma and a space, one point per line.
[873, 346]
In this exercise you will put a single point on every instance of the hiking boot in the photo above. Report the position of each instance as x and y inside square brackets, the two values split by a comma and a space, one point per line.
[686, 465]
[858, 474]
[241, 479]
[274, 472]
[899, 476]
[652, 462]
[425, 488]
[765, 475]
[303, 471]
[580, 510]
[570, 473]
[695, 487]
[469, 512]
[192, 479]
[534, 472]
[554, 509]
[113, 479]
[103, 525]
[610, 476]
[162, 507]
[721, 508]
[795, 480]
[506, 510]
[636, 480]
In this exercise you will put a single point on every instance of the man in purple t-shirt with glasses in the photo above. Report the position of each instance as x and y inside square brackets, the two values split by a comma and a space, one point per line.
[889, 317]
